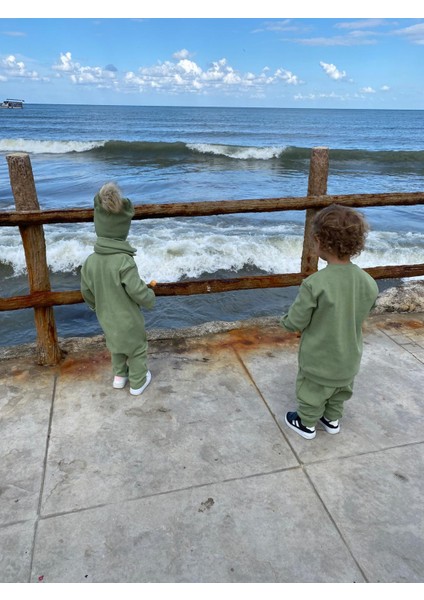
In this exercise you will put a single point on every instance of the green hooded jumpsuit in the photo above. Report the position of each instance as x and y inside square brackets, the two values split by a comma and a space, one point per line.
[112, 287]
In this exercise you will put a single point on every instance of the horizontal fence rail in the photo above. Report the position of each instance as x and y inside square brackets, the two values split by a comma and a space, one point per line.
[209, 286]
[211, 208]
[30, 220]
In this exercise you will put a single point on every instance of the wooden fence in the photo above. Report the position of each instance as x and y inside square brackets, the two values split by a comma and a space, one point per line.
[30, 220]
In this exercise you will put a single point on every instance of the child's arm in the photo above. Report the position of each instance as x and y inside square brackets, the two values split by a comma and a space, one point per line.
[300, 312]
[88, 297]
[136, 288]
[87, 294]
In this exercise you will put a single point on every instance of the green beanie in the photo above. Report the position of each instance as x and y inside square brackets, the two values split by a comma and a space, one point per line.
[113, 225]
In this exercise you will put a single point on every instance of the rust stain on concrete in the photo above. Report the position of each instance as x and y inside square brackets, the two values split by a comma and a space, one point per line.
[404, 324]
[84, 364]
[255, 339]
[246, 340]
[414, 324]
[91, 363]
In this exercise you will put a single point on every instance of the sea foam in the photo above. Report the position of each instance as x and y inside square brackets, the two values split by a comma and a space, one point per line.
[168, 252]
[47, 146]
[238, 152]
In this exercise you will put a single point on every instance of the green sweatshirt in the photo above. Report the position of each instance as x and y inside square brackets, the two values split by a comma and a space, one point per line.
[329, 311]
[111, 285]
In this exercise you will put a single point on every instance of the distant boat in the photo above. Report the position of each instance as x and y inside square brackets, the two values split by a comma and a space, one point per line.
[11, 103]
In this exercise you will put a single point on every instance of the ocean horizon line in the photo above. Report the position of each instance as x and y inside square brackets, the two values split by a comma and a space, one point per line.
[224, 107]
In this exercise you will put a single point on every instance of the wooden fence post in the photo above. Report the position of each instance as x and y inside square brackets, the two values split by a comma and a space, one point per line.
[25, 194]
[317, 186]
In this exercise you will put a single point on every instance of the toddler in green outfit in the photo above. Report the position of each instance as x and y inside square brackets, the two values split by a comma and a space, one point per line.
[112, 287]
[329, 311]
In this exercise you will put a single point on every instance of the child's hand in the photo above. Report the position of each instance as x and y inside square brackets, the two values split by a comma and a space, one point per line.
[152, 283]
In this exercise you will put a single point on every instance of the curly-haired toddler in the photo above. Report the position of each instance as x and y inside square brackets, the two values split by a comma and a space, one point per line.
[329, 311]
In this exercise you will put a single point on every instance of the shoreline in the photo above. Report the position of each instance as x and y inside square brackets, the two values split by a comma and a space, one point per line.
[404, 299]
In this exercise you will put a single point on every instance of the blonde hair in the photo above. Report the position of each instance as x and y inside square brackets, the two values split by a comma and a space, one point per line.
[340, 230]
[111, 198]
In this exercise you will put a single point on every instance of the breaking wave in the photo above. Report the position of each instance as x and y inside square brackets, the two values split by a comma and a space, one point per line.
[47, 146]
[181, 151]
[171, 253]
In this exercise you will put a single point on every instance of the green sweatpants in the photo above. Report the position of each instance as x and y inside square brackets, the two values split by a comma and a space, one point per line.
[315, 400]
[134, 367]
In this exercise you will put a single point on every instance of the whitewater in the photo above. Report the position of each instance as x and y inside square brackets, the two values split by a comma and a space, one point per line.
[170, 154]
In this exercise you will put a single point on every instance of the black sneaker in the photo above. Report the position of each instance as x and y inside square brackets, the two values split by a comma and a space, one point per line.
[293, 421]
[330, 426]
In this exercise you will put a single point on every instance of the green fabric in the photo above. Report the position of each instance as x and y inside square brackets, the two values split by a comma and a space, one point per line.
[134, 367]
[329, 311]
[111, 285]
[108, 246]
[315, 400]
[113, 225]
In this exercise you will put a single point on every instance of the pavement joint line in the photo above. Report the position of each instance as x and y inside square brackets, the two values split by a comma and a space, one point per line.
[410, 350]
[166, 493]
[13, 523]
[303, 468]
[403, 346]
[43, 478]
[253, 382]
[333, 521]
[360, 454]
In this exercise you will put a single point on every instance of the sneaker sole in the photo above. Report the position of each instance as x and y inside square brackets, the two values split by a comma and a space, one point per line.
[307, 436]
[143, 387]
[328, 429]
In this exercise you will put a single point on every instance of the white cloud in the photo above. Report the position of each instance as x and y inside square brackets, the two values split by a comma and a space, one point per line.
[186, 75]
[384, 88]
[16, 68]
[14, 33]
[189, 67]
[288, 77]
[85, 75]
[317, 96]
[367, 90]
[332, 71]
[181, 54]
[65, 62]
[361, 24]
[414, 33]
[285, 25]
[353, 38]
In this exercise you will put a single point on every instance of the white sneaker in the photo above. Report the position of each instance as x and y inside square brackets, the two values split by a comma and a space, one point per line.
[119, 382]
[143, 387]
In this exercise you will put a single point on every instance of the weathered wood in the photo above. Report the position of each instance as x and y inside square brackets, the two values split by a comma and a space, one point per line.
[317, 186]
[41, 299]
[211, 208]
[396, 271]
[209, 286]
[30, 218]
[24, 192]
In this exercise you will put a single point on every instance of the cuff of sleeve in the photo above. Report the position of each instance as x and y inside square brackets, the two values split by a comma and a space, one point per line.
[285, 324]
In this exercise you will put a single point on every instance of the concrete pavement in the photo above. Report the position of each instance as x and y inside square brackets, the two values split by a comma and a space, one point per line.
[199, 479]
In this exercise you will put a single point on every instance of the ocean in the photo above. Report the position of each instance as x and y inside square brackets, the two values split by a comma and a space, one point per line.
[176, 154]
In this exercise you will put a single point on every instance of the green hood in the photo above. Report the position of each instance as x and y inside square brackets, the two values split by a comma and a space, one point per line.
[109, 246]
[114, 226]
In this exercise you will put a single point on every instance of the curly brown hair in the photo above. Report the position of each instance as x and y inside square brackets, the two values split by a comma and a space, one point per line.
[340, 230]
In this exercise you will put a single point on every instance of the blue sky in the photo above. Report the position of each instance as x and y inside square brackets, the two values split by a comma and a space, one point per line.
[327, 62]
